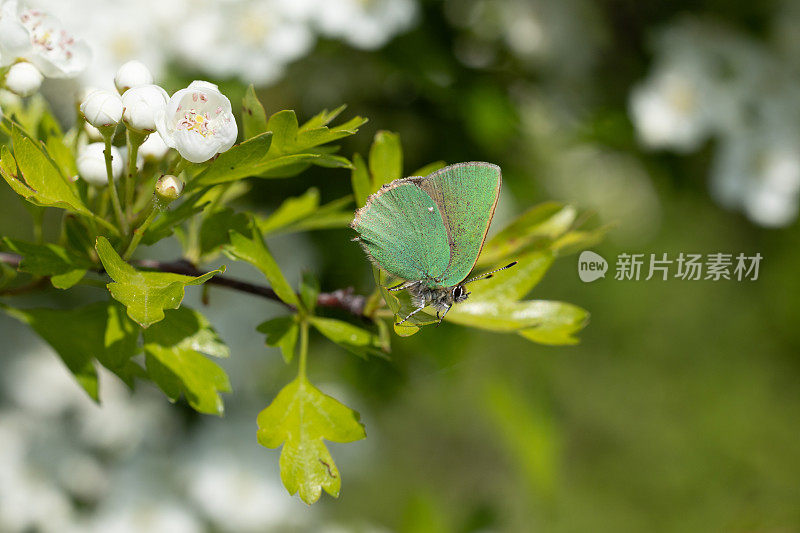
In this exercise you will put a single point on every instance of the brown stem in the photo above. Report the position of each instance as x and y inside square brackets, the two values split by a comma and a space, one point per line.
[344, 299]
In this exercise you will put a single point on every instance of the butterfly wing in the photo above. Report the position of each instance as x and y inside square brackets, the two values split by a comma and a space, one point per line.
[466, 194]
[401, 229]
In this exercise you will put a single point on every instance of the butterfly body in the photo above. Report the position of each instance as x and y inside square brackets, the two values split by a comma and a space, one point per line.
[430, 230]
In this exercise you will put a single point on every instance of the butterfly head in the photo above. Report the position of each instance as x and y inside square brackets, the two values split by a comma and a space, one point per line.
[459, 293]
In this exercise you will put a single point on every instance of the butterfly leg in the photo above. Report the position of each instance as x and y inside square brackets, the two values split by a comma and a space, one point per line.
[442, 317]
[414, 312]
[401, 286]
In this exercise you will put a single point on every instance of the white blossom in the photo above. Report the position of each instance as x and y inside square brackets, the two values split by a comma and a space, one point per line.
[198, 122]
[53, 50]
[102, 108]
[153, 148]
[141, 105]
[23, 79]
[132, 74]
[92, 164]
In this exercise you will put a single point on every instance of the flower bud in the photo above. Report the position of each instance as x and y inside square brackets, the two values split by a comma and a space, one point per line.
[132, 74]
[23, 79]
[153, 148]
[169, 188]
[141, 105]
[102, 109]
[93, 133]
[91, 163]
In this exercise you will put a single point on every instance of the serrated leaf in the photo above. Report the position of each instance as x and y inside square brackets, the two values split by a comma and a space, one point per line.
[251, 247]
[145, 294]
[309, 290]
[323, 118]
[335, 214]
[174, 359]
[64, 268]
[98, 331]
[49, 186]
[350, 337]
[385, 159]
[239, 162]
[300, 417]
[254, 118]
[281, 332]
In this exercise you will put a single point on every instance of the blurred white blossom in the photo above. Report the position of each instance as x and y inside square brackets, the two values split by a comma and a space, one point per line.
[712, 82]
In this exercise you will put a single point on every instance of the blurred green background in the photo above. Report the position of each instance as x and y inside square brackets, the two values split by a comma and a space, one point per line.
[678, 411]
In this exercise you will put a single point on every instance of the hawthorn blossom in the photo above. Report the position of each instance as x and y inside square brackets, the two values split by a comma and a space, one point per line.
[198, 122]
[141, 105]
[91, 163]
[23, 79]
[53, 50]
[132, 74]
[14, 38]
[102, 109]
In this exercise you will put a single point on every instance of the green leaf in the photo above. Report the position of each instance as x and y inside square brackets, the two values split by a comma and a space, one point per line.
[43, 183]
[290, 211]
[542, 223]
[281, 332]
[174, 358]
[323, 118]
[145, 294]
[168, 220]
[98, 331]
[241, 161]
[251, 247]
[555, 322]
[254, 118]
[385, 159]
[335, 214]
[216, 227]
[309, 290]
[64, 268]
[516, 282]
[300, 417]
[352, 338]
[361, 181]
[430, 168]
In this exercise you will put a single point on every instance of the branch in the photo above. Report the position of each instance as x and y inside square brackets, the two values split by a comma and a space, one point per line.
[344, 299]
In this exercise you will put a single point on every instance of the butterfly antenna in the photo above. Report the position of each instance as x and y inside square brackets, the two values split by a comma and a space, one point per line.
[489, 274]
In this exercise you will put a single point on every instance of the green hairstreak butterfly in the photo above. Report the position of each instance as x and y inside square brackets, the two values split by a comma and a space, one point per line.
[430, 231]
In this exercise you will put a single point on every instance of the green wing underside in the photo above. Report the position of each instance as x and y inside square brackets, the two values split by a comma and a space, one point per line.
[401, 229]
[466, 194]
[431, 229]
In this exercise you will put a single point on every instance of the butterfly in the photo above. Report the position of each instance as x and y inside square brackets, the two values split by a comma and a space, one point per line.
[430, 231]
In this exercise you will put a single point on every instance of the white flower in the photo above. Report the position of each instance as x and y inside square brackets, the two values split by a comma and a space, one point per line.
[14, 39]
[23, 79]
[55, 51]
[668, 112]
[198, 122]
[92, 164]
[102, 108]
[363, 24]
[132, 74]
[153, 148]
[169, 187]
[141, 106]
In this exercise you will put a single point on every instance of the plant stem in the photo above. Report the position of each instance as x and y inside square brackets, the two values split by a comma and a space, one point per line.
[112, 188]
[301, 367]
[134, 140]
[138, 233]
